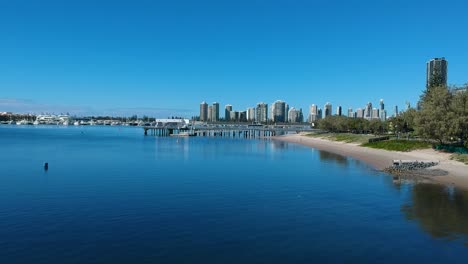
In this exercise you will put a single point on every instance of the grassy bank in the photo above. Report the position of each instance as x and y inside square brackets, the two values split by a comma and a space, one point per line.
[343, 137]
[398, 145]
[363, 140]
[460, 157]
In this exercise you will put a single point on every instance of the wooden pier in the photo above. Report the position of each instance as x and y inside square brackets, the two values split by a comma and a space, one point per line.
[225, 132]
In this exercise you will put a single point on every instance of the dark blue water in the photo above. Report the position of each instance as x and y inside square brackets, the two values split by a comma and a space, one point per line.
[112, 195]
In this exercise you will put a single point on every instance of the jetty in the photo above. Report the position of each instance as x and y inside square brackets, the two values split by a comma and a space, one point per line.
[227, 131]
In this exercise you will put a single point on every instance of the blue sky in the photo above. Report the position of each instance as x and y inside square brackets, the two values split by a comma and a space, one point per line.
[165, 57]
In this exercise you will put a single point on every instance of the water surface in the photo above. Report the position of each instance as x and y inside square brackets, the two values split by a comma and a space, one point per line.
[112, 195]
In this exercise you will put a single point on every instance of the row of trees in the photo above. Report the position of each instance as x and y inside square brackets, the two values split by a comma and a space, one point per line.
[441, 116]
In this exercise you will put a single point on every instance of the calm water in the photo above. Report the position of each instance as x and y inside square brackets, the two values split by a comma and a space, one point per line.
[112, 195]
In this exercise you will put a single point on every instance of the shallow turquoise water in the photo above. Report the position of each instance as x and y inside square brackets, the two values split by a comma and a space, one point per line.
[112, 195]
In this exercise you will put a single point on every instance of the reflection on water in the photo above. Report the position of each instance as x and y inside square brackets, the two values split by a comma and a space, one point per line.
[439, 210]
[278, 145]
[338, 159]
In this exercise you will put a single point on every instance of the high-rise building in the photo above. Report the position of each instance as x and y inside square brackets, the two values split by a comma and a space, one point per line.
[227, 112]
[295, 115]
[382, 112]
[395, 111]
[215, 112]
[375, 113]
[350, 113]
[338, 110]
[368, 111]
[204, 112]
[313, 113]
[243, 116]
[251, 114]
[262, 112]
[383, 115]
[234, 116]
[328, 110]
[360, 113]
[436, 72]
[278, 111]
[210, 114]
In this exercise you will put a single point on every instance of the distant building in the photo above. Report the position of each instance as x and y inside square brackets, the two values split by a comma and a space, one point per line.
[368, 111]
[395, 111]
[295, 115]
[327, 109]
[215, 112]
[359, 113]
[210, 114]
[251, 114]
[436, 72]
[314, 113]
[375, 113]
[227, 112]
[243, 116]
[338, 111]
[278, 111]
[382, 112]
[234, 116]
[204, 112]
[457, 90]
[350, 113]
[262, 113]
[383, 115]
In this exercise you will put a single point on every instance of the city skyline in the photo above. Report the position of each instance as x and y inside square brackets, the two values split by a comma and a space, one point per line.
[281, 112]
[161, 59]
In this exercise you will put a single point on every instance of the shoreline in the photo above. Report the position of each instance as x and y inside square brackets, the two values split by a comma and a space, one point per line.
[456, 173]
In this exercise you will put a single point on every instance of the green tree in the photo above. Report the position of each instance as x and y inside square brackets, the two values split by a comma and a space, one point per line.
[459, 123]
[434, 120]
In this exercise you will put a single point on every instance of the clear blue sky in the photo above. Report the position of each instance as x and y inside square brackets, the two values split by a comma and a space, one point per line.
[165, 57]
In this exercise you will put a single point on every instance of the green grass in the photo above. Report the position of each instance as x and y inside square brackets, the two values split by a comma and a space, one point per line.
[343, 137]
[398, 145]
[460, 157]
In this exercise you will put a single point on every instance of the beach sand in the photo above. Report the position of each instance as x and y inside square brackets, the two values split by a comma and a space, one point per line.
[455, 173]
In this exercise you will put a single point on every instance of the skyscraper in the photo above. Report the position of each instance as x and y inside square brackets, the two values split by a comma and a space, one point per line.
[251, 114]
[375, 113]
[338, 110]
[278, 111]
[360, 113]
[295, 115]
[395, 111]
[243, 116]
[436, 72]
[368, 111]
[210, 114]
[262, 112]
[215, 112]
[382, 112]
[313, 113]
[204, 112]
[350, 113]
[227, 112]
[328, 109]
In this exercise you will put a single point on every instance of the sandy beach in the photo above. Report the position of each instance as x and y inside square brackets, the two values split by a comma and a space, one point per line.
[455, 172]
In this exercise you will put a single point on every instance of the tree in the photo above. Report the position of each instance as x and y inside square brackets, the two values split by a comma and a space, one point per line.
[459, 124]
[434, 120]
